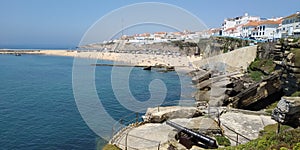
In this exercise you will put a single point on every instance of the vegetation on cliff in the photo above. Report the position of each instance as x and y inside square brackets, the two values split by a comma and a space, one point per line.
[230, 43]
[288, 138]
[217, 45]
[110, 147]
[222, 141]
[261, 68]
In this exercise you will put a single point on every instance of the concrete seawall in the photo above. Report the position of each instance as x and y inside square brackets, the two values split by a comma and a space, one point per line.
[239, 58]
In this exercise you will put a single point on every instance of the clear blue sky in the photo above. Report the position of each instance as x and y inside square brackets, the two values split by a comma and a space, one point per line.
[62, 23]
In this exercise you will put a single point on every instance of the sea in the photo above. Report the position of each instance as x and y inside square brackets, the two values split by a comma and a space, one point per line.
[38, 109]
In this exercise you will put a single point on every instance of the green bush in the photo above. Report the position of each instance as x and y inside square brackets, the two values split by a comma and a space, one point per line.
[297, 146]
[222, 141]
[262, 144]
[288, 138]
[296, 94]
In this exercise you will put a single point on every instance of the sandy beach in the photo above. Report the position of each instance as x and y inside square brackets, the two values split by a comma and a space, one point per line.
[182, 62]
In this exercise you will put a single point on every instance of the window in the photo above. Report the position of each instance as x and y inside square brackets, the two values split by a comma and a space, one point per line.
[283, 29]
[259, 33]
[263, 33]
[264, 27]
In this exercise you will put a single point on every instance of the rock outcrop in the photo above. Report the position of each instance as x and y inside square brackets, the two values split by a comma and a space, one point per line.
[258, 95]
[161, 114]
[288, 111]
[285, 54]
[245, 124]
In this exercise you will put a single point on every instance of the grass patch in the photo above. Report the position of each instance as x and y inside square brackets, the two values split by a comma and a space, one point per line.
[266, 65]
[261, 67]
[256, 75]
[271, 107]
[296, 94]
[288, 138]
[110, 147]
[222, 141]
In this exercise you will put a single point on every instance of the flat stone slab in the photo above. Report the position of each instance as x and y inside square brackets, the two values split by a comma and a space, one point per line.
[247, 125]
[160, 114]
[198, 123]
[148, 136]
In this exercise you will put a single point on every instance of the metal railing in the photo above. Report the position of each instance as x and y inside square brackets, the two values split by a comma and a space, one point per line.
[126, 146]
[123, 125]
[237, 135]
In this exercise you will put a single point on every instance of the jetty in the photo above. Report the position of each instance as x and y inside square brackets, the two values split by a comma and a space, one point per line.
[19, 52]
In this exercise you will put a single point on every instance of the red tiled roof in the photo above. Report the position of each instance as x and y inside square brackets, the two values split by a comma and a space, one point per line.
[160, 33]
[270, 22]
[251, 24]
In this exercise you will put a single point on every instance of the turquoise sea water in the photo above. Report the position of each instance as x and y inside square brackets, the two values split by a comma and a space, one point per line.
[37, 106]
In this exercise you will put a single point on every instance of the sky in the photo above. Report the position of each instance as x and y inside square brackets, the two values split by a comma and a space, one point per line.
[63, 23]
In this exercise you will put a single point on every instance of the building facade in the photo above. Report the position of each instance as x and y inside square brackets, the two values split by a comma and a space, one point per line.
[267, 30]
[234, 26]
[291, 25]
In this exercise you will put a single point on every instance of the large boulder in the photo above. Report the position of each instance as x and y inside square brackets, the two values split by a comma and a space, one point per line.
[161, 114]
[247, 125]
[288, 111]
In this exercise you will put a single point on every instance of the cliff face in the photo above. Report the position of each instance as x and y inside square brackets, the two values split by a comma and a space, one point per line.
[286, 56]
[274, 72]
[259, 95]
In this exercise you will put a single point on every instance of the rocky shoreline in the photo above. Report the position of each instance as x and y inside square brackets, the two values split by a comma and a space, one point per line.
[204, 116]
[222, 85]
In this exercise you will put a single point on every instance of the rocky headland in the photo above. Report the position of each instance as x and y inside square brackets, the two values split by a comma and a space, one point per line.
[236, 94]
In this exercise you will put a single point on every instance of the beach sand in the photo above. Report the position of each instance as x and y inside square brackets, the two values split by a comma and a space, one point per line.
[180, 62]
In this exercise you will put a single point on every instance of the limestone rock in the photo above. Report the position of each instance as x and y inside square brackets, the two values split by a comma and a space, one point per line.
[244, 124]
[160, 114]
[288, 111]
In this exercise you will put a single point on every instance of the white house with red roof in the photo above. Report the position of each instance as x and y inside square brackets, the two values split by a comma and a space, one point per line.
[249, 28]
[265, 30]
[234, 26]
[291, 25]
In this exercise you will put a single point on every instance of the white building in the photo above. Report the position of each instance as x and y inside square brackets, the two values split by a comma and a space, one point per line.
[291, 25]
[249, 28]
[267, 30]
[233, 26]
